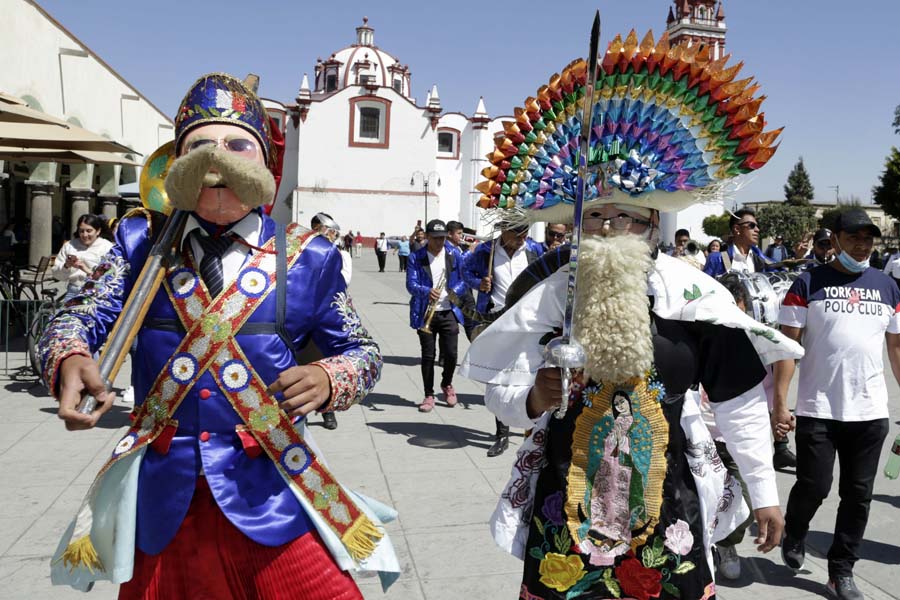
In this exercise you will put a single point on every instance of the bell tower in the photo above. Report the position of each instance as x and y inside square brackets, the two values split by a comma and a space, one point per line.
[693, 22]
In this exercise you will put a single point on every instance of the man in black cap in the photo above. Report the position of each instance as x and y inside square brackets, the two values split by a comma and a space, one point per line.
[777, 250]
[434, 270]
[491, 271]
[842, 312]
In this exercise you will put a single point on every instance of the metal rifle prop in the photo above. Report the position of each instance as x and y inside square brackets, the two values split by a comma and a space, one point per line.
[124, 331]
[564, 351]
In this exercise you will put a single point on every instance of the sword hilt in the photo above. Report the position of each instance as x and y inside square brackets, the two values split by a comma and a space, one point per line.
[567, 354]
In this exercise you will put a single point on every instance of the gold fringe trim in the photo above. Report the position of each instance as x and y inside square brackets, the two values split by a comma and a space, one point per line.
[81, 553]
[361, 538]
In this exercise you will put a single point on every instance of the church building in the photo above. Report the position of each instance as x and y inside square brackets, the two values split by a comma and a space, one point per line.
[360, 147]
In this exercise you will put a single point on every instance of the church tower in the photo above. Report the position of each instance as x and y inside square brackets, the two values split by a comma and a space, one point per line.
[698, 22]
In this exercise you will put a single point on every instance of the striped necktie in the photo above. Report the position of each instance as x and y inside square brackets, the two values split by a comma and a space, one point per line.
[214, 247]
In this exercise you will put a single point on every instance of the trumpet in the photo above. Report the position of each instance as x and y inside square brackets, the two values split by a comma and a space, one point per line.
[432, 306]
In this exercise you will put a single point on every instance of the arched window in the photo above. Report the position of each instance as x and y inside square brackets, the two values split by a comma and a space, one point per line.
[370, 122]
[447, 142]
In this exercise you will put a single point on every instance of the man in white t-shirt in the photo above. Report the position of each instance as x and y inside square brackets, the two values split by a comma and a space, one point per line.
[842, 311]
[381, 248]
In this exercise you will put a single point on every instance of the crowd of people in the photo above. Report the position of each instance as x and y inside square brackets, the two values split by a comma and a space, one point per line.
[646, 455]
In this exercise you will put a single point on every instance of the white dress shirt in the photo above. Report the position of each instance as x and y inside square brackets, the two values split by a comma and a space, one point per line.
[506, 269]
[742, 262]
[438, 265]
[249, 229]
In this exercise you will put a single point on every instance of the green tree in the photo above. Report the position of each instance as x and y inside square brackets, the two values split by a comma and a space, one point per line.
[887, 193]
[785, 219]
[897, 120]
[830, 216]
[798, 190]
[716, 226]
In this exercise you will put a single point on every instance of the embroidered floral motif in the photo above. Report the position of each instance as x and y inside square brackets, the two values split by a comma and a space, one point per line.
[125, 444]
[527, 466]
[553, 509]
[679, 538]
[264, 418]
[183, 283]
[638, 581]
[235, 376]
[295, 459]
[354, 373]
[183, 368]
[561, 572]
[253, 282]
[703, 456]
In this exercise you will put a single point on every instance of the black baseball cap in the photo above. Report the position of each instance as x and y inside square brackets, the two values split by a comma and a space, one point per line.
[853, 220]
[436, 227]
[821, 234]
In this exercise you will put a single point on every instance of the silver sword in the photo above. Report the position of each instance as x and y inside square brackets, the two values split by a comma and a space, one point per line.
[564, 351]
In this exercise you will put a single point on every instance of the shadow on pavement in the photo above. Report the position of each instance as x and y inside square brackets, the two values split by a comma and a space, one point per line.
[403, 361]
[436, 435]
[468, 400]
[116, 417]
[764, 570]
[393, 303]
[33, 388]
[372, 401]
[886, 554]
[892, 500]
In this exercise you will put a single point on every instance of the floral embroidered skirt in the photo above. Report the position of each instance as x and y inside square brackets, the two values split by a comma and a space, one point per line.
[616, 512]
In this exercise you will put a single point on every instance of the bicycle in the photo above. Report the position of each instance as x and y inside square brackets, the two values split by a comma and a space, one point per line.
[47, 310]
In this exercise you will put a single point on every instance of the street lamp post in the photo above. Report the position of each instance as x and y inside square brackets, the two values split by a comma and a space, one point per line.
[426, 180]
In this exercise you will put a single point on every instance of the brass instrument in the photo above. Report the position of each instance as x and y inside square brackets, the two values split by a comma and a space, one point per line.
[432, 306]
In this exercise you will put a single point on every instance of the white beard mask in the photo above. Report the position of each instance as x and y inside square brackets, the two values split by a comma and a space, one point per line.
[612, 311]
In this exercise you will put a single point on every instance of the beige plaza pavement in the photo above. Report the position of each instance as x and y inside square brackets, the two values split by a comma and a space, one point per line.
[431, 467]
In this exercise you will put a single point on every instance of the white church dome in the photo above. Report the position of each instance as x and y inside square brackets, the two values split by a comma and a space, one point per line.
[362, 63]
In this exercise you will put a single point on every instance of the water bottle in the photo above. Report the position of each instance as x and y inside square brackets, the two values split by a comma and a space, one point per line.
[892, 468]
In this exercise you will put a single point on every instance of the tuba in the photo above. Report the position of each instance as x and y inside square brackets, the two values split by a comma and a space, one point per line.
[432, 306]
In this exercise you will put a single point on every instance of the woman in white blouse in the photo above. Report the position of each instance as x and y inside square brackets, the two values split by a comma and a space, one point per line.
[78, 257]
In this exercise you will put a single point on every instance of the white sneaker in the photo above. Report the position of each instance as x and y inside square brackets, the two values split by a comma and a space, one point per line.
[128, 396]
[729, 562]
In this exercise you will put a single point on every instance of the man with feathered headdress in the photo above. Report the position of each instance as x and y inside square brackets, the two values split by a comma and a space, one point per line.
[624, 495]
[216, 490]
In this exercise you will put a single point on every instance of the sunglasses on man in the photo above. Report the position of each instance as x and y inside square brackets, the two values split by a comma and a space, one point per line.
[751, 225]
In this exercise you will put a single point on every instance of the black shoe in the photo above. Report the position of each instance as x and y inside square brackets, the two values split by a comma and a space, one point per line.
[330, 420]
[499, 446]
[784, 459]
[793, 552]
[843, 588]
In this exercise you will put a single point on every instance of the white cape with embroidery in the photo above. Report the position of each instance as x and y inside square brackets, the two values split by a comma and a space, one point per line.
[509, 353]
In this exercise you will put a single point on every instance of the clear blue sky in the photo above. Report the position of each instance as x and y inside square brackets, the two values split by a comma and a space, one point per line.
[829, 67]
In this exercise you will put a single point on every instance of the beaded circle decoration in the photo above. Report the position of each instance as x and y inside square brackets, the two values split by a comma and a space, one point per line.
[671, 126]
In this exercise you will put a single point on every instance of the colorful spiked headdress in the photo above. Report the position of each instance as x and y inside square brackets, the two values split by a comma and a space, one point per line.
[671, 128]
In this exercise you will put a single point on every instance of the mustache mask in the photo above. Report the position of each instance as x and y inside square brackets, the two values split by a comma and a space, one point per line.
[250, 181]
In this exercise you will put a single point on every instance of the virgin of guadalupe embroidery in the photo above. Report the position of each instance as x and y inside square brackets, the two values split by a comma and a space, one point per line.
[618, 467]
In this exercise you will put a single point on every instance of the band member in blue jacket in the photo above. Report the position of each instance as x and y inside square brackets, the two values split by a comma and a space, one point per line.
[743, 253]
[432, 272]
[491, 271]
[216, 488]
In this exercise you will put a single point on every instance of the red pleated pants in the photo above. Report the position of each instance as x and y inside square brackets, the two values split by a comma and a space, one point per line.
[210, 558]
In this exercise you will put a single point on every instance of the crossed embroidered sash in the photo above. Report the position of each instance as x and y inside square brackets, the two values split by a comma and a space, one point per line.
[210, 345]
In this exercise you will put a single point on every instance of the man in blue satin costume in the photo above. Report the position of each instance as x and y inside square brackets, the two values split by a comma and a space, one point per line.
[209, 487]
